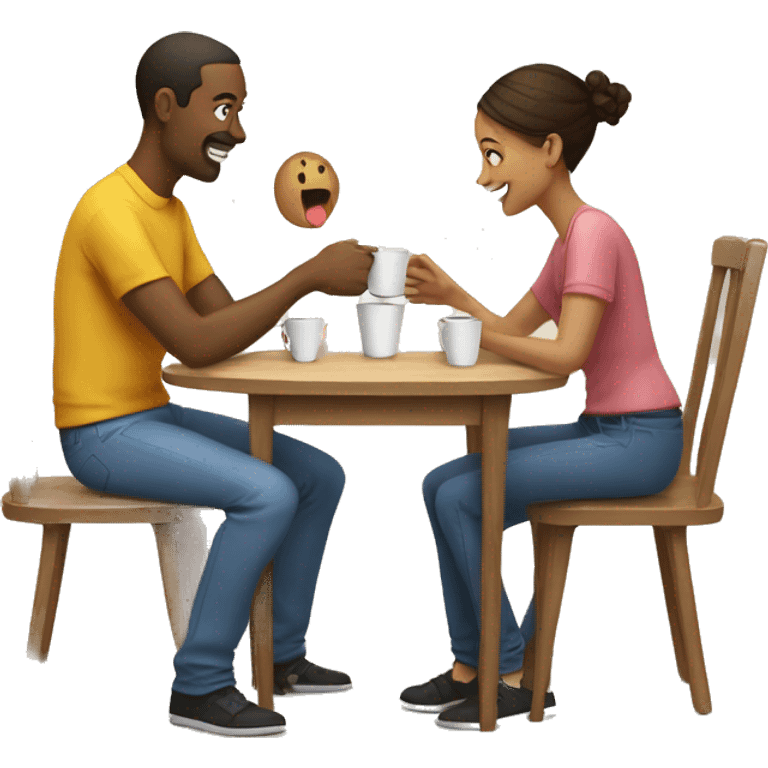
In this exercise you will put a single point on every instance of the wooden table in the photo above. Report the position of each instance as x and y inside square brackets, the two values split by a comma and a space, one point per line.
[411, 388]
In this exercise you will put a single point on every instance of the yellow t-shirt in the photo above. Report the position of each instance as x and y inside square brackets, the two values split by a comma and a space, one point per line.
[121, 235]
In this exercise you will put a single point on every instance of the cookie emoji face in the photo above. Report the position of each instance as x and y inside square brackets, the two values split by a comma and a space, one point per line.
[306, 189]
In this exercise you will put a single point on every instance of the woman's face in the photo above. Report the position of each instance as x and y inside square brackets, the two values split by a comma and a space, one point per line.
[510, 161]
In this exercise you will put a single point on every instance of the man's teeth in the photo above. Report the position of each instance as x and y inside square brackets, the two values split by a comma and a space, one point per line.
[218, 155]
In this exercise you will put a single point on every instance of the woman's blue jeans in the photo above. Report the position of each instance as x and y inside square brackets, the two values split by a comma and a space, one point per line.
[280, 511]
[596, 457]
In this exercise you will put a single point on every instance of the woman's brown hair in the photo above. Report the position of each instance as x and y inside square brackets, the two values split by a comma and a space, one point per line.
[540, 99]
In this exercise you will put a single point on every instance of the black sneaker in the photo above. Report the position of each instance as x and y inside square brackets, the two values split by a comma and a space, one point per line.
[438, 694]
[510, 702]
[226, 712]
[301, 677]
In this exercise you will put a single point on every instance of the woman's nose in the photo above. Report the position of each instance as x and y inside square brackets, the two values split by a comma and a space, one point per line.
[485, 182]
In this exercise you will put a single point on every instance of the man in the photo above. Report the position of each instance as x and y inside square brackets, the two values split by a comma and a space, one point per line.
[133, 283]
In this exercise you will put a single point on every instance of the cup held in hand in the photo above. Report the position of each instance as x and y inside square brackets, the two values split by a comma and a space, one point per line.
[386, 278]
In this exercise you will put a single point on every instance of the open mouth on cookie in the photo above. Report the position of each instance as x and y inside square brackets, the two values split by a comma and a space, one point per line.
[313, 201]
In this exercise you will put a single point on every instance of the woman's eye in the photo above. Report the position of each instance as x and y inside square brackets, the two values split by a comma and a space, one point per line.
[493, 157]
[222, 111]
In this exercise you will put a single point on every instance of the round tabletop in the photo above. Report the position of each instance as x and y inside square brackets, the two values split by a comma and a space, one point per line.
[351, 373]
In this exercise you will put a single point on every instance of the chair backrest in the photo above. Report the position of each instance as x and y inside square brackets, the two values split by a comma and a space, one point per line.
[744, 260]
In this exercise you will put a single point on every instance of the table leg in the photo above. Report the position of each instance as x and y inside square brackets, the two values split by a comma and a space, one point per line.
[261, 421]
[494, 466]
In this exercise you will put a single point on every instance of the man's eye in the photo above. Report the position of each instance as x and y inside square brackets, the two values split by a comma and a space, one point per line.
[222, 111]
[493, 157]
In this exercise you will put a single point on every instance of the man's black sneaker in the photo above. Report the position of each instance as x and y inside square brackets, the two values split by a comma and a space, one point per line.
[302, 676]
[438, 694]
[226, 712]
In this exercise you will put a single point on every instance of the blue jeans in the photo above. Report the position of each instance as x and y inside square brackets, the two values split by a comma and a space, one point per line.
[279, 511]
[596, 457]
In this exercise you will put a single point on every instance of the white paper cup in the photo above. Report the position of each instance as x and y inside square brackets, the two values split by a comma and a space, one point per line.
[460, 339]
[304, 337]
[380, 324]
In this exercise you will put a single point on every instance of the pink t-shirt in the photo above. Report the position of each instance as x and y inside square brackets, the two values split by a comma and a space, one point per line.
[623, 370]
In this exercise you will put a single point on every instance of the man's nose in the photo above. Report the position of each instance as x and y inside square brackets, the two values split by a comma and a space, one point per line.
[238, 134]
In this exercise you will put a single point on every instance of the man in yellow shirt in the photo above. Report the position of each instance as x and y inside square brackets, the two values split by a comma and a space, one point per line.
[132, 284]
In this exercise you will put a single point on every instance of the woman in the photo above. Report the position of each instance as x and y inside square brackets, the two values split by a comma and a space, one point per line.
[533, 126]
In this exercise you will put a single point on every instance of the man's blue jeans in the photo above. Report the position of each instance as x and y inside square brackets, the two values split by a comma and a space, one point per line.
[279, 511]
[596, 457]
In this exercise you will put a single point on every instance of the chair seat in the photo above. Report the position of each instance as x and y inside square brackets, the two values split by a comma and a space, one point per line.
[65, 500]
[674, 506]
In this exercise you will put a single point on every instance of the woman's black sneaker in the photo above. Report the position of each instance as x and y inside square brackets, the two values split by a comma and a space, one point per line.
[302, 676]
[438, 694]
[510, 701]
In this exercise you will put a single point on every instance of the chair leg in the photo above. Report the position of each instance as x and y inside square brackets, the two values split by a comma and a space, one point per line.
[529, 664]
[53, 553]
[552, 554]
[689, 623]
[670, 597]
[262, 651]
[530, 649]
[182, 551]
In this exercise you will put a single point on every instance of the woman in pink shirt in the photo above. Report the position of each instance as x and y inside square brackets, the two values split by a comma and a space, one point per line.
[533, 126]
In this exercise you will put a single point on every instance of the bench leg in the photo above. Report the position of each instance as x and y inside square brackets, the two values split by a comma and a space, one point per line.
[53, 552]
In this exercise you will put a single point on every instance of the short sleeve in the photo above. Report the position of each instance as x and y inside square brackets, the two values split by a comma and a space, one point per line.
[196, 265]
[545, 287]
[591, 256]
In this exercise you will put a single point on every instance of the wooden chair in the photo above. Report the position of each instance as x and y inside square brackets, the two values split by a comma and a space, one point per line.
[689, 500]
[56, 503]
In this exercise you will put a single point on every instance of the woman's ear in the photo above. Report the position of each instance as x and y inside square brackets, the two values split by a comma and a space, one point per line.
[553, 148]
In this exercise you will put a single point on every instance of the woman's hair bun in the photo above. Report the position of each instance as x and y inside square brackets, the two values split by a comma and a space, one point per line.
[609, 100]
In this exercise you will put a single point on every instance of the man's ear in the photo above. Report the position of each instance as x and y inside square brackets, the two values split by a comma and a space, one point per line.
[165, 103]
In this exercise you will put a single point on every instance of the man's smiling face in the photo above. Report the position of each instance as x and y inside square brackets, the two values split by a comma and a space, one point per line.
[197, 138]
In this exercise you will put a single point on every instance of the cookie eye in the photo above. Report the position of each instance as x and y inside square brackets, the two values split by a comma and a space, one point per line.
[302, 178]
[222, 111]
[492, 156]
[321, 169]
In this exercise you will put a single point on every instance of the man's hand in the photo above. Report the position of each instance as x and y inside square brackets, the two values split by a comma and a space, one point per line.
[341, 269]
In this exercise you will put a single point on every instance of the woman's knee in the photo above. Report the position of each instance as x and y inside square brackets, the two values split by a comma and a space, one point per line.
[430, 486]
[447, 473]
[456, 496]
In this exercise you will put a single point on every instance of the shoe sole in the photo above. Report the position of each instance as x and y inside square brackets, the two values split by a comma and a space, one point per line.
[429, 707]
[220, 730]
[475, 728]
[454, 726]
[315, 689]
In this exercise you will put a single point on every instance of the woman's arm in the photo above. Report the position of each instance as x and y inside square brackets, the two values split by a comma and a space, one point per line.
[565, 354]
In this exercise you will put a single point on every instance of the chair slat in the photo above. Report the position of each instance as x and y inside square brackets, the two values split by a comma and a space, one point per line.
[729, 252]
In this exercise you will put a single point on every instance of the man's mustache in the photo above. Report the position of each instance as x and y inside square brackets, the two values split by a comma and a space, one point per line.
[222, 137]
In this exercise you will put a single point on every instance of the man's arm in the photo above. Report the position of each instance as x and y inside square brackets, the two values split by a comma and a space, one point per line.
[196, 340]
[208, 296]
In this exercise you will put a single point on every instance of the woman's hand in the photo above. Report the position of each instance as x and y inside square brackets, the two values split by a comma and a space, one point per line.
[426, 283]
